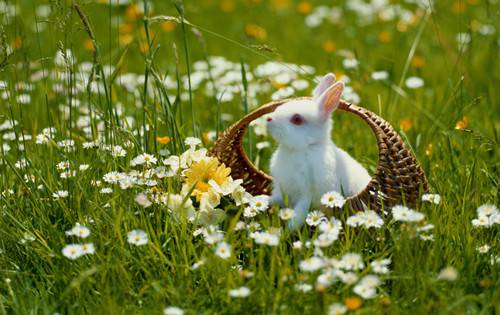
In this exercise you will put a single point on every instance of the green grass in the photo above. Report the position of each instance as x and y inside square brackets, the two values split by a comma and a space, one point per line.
[120, 278]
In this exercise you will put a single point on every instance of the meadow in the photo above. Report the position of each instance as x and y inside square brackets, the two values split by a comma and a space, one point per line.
[111, 204]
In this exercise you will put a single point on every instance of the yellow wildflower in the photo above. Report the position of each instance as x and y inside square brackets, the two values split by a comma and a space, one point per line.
[280, 4]
[88, 44]
[417, 61]
[406, 124]
[353, 303]
[168, 26]
[163, 140]
[384, 37]
[258, 32]
[462, 124]
[458, 7]
[227, 6]
[329, 46]
[428, 150]
[304, 7]
[201, 172]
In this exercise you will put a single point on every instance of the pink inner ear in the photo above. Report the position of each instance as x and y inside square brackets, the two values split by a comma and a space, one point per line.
[327, 80]
[330, 99]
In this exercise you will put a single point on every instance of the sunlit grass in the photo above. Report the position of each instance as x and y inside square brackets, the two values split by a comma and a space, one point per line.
[122, 80]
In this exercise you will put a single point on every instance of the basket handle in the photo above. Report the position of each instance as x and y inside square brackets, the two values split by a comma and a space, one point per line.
[398, 177]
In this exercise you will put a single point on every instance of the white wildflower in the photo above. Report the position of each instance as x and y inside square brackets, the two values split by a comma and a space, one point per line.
[73, 251]
[433, 198]
[173, 310]
[223, 250]
[143, 200]
[483, 249]
[381, 266]
[286, 214]
[333, 199]
[405, 214]
[137, 237]
[314, 218]
[79, 231]
[448, 273]
[241, 292]
[312, 264]
[414, 82]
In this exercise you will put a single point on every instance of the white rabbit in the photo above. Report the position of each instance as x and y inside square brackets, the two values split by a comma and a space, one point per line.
[307, 163]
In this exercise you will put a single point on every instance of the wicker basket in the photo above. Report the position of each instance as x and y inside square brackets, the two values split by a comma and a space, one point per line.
[398, 177]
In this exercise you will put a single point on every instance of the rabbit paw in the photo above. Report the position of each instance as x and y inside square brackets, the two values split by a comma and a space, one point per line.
[301, 209]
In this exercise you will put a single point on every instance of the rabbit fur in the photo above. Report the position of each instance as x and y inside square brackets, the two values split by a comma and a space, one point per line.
[307, 164]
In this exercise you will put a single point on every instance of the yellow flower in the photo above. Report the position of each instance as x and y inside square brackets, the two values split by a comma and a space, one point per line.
[402, 26]
[458, 7]
[353, 303]
[125, 39]
[168, 26]
[277, 85]
[253, 30]
[384, 37]
[406, 124]
[17, 43]
[280, 4]
[462, 124]
[227, 6]
[132, 12]
[428, 150]
[201, 172]
[417, 61]
[163, 140]
[304, 7]
[126, 28]
[386, 301]
[88, 44]
[329, 46]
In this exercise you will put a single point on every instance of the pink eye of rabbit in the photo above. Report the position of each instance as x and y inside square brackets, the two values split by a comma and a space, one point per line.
[297, 120]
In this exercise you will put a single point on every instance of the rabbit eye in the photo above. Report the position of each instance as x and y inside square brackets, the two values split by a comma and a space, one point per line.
[297, 120]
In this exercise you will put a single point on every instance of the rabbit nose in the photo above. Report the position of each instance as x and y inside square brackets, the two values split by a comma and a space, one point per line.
[269, 119]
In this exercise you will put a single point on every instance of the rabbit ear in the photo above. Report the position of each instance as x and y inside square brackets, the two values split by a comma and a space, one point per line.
[330, 99]
[325, 83]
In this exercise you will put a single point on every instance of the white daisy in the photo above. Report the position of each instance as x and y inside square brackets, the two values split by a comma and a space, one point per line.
[312, 264]
[352, 261]
[143, 200]
[314, 218]
[79, 231]
[241, 292]
[487, 209]
[405, 214]
[414, 82]
[223, 250]
[173, 310]
[483, 249]
[433, 198]
[380, 75]
[144, 158]
[137, 237]
[381, 266]
[260, 203]
[286, 214]
[337, 309]
[73, 251]
[60, 194]
[449, 274]
[333, 199]
[192, 142]
[88, 248]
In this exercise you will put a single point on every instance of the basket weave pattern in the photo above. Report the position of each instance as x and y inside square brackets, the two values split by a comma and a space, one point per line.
[398, 177]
